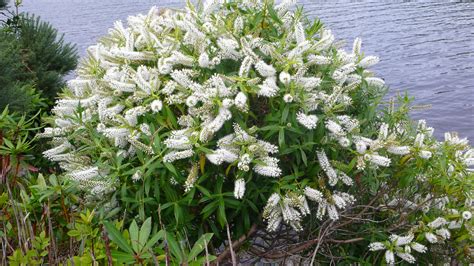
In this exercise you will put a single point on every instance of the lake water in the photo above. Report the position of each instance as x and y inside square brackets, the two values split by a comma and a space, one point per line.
[426, 48]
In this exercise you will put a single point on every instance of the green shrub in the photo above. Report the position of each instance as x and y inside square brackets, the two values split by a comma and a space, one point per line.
[17, 90]
[45, 54]
[229, 116]
[34, 61]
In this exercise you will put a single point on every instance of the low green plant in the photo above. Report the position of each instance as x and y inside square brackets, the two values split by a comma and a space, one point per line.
[34, 256]
[137, 247]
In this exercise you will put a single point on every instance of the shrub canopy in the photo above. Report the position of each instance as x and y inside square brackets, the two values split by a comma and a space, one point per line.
[234, 112]
[34, 61]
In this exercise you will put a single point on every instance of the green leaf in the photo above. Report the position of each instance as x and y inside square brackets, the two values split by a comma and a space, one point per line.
[123, 257]
[41, 182]
[154, 239]
[117, 237]
[284, 116]
[134, 236]
[199, 246]
[178, 213]
[221, 217]
[73, 233]
[144, 233]
[174, 247]
[303, 157]
[281, 137]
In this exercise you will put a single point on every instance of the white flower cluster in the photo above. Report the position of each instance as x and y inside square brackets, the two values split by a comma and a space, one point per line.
[436, 231]
[291, 209]
[399, 245]
[243, 148]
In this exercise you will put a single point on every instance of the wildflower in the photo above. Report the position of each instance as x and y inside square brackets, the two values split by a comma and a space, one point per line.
[238, 24]
[239, 188]
[376, 82]
[177, 155]
[334, 128]
[191, 179]
[344, 142]
[299, 33]
[240, 100]
[156, 106]
[443, 233]
[438, 222]
[178, 142]
[191, 101]
[137, 176]
[420, 137]
[65, 146]
[288, 98]
[383, 131]
[203, 60]
[431, 237]
[376, 246]
[425, 154]
[308, 121]
[453, 139]
[285, 78]
[245, 66]
[377, 159]
[401, 240]
[466, 215]
[399, 150]
[86, 174]
[361, 147]
[313, 194]
[264, 69]
[272, 171]
[406, 257]
[229, 48]
[356, 46]
[309, 83]
[222, 155]
[326, 166]
[268, 88]
[418, 247]
[368, 61]
[318, 60]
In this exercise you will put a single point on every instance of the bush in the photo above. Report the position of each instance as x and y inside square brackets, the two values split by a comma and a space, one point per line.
[45, 54]
[35, 60]
[220, 117]
[17, 90]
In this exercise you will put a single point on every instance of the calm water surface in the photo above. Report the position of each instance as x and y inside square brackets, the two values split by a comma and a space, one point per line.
[426, 48]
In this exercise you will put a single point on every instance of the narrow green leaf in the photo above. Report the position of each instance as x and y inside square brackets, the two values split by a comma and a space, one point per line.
[122, 257]
[144, 233]
[281, 137]
[174, 247]
[117, 237]
[153, 240]
[199, 246]
[134, 236]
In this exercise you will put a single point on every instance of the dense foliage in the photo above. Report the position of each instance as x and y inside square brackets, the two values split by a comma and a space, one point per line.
[44, 222]
[34, 61]
[246, 122]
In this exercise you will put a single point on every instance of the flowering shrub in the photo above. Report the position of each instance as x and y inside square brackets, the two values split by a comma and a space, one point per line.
[234, 112]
